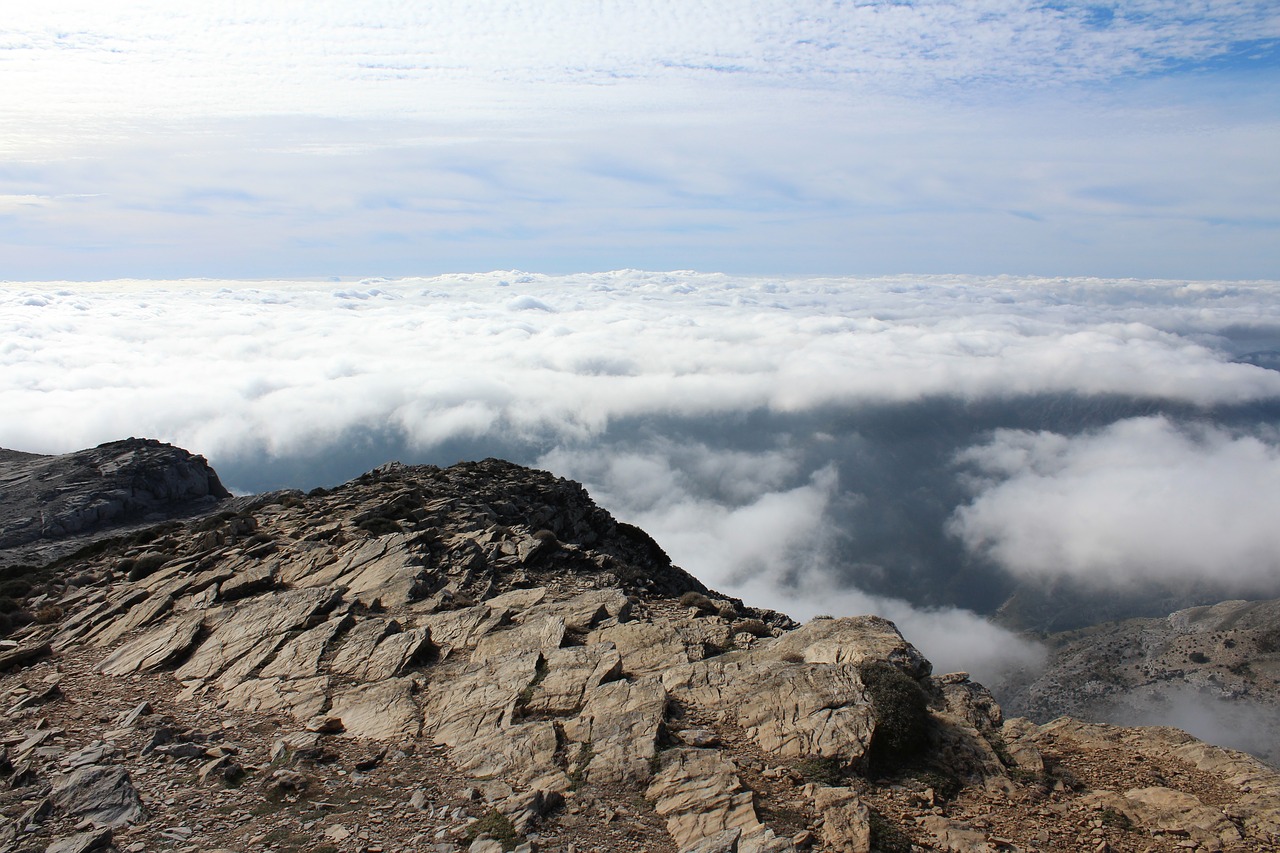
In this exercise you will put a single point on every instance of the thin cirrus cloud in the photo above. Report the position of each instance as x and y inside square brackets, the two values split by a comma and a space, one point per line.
[329, 58]
[184, 139]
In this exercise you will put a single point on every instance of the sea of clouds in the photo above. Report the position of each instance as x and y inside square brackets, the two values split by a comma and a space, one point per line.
[921, 447]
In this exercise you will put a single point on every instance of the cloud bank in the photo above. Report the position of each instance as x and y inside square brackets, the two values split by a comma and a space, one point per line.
[1142, 500]
[816, 445]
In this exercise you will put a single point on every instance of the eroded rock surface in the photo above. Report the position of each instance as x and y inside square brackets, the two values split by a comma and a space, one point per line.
[480, 656]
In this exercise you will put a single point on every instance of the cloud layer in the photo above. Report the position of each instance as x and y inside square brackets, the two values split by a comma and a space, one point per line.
[271, 369]
[921, 447]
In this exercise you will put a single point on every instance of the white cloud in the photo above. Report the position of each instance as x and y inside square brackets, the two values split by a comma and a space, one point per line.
[1142, 500]
[333, 58]
[292, 364]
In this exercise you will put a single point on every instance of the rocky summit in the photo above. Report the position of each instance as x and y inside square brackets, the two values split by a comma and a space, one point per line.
[480, 658]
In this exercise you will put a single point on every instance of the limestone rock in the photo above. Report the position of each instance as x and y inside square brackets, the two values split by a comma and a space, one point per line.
[515, 650]
[846, 820]
[383, 709]
[253, 632]
[954, 837]
[851, 640]
[53, 504]
[1168, 810]
[621, 721]
[160, 646]
[83, 842]
[700, 795]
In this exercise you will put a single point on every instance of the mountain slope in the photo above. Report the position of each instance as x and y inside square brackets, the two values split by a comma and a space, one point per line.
[1214, 670]
[479, 657]
[55, 504]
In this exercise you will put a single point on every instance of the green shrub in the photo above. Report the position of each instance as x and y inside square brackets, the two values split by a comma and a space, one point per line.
[823, 770]
[497, 826]
[901, 712]
[15, 588]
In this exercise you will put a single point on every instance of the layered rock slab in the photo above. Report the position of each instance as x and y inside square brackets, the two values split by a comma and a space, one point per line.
[541, 645]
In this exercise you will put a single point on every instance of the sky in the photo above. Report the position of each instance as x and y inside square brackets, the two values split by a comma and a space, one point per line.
[301, 140]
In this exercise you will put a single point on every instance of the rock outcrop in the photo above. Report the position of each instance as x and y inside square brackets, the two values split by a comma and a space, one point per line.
[480, 658]
[54, 504]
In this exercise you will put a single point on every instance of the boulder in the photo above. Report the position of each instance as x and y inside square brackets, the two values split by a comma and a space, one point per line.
[101, 794]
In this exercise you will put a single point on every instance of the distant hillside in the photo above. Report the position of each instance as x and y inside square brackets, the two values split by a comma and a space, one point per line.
[1214, 670]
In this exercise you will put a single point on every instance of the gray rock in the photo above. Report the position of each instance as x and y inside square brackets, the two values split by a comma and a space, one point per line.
[157, 647]
[102, 794]
[56, 504]
[82, 842]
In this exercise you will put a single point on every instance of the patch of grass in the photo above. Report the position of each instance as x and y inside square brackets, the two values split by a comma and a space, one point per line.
[526, 695]
[887, 836]
[48, 615]
[1268, 640]
[279, 835]
[380, 525]
[823, 770]
[945, 785]
[693, 598]
[146, 565]
[1116, 820]
[497, 826]
[1000, 748]
[267, 806]
[578, 773]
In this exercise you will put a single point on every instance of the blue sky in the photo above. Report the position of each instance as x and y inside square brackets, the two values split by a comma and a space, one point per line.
[162, 140]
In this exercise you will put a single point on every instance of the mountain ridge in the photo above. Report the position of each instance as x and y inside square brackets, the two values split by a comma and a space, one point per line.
[478, 657]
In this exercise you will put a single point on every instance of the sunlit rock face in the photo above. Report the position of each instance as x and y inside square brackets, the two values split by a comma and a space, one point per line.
[480, 657]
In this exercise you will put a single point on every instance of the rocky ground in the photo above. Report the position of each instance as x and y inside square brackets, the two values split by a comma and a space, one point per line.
[480, 658]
